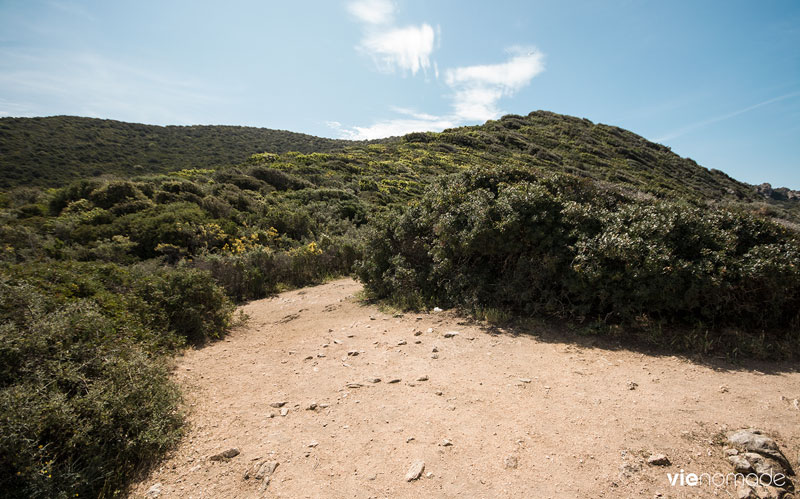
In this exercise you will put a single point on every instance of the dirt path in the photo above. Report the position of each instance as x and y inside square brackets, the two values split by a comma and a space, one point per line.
[499, 415]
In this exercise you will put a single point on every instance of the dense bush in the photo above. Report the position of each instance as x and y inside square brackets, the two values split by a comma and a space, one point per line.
[85, 401]
[530, 242]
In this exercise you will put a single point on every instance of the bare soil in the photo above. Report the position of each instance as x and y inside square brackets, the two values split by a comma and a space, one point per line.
[502, 413]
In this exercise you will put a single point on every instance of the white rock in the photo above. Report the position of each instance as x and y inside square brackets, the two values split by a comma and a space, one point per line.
[414, 472]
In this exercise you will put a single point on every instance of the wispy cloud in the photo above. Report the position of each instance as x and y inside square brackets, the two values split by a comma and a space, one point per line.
[700, 124]
[478, 89]
[408, 49]
[372, 11]
[474, 91]
[392, 48]
[94, 85]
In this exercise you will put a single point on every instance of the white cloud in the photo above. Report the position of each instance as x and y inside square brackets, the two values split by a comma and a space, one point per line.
[394, 127]
[372, 11]
[475, 92]
[408, 49]
[478, 89]
[392, 48]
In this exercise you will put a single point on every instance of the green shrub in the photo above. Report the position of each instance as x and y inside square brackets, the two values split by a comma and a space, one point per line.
[187, 302]
[517, 240]
[83, 406]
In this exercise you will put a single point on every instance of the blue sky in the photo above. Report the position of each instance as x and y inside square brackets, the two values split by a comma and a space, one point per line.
[717, 81]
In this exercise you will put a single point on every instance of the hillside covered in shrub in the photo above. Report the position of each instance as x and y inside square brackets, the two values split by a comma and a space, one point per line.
[56, 150]
[106, 276]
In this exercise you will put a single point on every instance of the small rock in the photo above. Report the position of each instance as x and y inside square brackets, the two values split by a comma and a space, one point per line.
[321, 355]
[372, 477]
[324, 406]
[310, 357]
[632, 385]
[312, 406]
[524, 380]
[451, 334]
[154, 491]
[755, 441]
[437, 309]
[338, 342]
[374, 380]
[423, 378]
[417, 333]
[429, 475]
[227, 454]
[446, 443]
[429, 330]
[401, 343]
[394, 380]
[658, 460]
[277, 404]
[723, 389]
[627, 469]
[511, 461]
[439, 393]
[740, 464]
[434, 355]
[354, 385]
[415, 471]
[763, 465]
[730, 451]
[435, 349]
[284, 411]
[745, 492]
[313, 444]
[409, 439]
[353, 353]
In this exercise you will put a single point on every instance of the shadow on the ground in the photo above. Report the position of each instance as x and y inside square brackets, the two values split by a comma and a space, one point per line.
[564, 332]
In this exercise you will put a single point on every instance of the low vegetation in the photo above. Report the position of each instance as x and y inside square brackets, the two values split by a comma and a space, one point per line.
[112, 269]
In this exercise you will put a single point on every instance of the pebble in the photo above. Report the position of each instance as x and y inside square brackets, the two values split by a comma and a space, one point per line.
[414, 472]
[401, 342]
[226, 454]
[525, 380]
[374, 380]
[284, 411]
[278, 404]
[424, 377]
[658, 460]
[353, 353]
[451, 334]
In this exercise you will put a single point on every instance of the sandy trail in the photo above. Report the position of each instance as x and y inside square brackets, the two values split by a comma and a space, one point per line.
[562, 410]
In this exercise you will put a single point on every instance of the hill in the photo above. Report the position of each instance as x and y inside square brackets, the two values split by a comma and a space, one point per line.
[55, 150]
[535, 217]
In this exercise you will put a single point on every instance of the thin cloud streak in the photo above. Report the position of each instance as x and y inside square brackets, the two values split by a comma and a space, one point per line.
[97, 86]
[700, 124]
